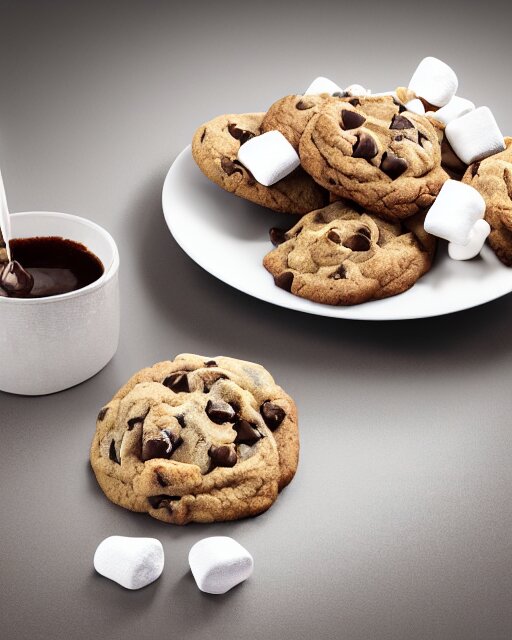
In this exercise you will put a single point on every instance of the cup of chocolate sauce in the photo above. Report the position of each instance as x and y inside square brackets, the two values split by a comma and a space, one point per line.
[59, 303]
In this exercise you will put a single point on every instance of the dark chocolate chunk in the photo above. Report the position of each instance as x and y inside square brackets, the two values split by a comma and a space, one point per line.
[177, 382]
[219, 411]
[334, 237]
[351, 119]
[355, 102]
[246, 433]
[277, 236]
[240, 134]
[284, 280]
[161, 447]
[272, 414]
[474, 169]
[401, 122]
[102, 414]
[340, 94]
[339, 274]
[15, 280]
[112, 453]
[393, 166]
[223, 455]
[364, 231]
[210, 363]
[161, 501]
[181, 421]
[365, 147]
[401, 106]
[230, 167]
[358, 242]
[400, 138]
[304, 105]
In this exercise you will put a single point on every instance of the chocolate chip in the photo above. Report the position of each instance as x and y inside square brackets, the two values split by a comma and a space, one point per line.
[15, 280]
[181, 421]
[161, 480]
[332, 181]
[364, 231]
[393, 166]
[401, 122]
[474, 169]
[230, 167]
[134, 422]
[161, 501]
[210, 363]
[219, 411]
[284, 280]
[401, 106]
[400, 138]
[303, 105]
[112, 453]
[351, 119]
[162, 447]
[355, 102]
[240, 134]
[177, 382]
[334, 237]
[277, 236]
[358, 242]
[203, 135]
[222, 456]
[340, 94]
[102, 414]
[339, 274]
[421, 137]
[246, 433]
[272, 414]
[365, 147]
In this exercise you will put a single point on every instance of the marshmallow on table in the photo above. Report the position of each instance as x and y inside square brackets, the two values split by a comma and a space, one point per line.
[219, 563]
[131, 562]
[434, 81]
[475, 135]
[269, 157]
[477, 237]
[415, 106]
[322, 85]
[456, 108]
[454, 212]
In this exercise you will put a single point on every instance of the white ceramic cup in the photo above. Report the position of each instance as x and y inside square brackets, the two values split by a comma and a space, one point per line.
[50, 344]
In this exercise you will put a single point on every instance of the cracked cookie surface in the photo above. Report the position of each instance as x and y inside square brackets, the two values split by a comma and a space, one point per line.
[391, 167]
[340, 256]
[492, 177]
[197, 440]
[215, 147]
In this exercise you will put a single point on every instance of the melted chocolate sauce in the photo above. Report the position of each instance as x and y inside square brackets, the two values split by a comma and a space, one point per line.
[56, 265]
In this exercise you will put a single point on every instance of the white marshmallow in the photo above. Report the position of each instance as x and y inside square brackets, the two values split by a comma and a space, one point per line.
[434, 81]
[415, 106]
[477, 238]
[357, 90]
[456, 108]
[269, 157]
[131, 562]
[455, 211]
[219, 563]
[322, 85]
[475, 135]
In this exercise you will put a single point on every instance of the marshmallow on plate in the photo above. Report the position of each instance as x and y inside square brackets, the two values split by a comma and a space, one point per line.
[454, 212]
[322, 85]
[456, 108]
[415, 106]
[477, 237]
[219, 563]
[269, 157]
[434, 81]
[475, 135]
[131, 562]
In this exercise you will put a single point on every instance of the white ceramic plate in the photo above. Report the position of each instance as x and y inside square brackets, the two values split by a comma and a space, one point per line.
[228, 237]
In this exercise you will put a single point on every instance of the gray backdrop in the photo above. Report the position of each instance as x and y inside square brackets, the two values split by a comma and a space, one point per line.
[398, 523]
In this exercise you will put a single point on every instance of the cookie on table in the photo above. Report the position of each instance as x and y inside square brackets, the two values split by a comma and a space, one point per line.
[492, 177]
[391, 167]
[215, 147]
[342, 256]
[291, 114]
[197, 440]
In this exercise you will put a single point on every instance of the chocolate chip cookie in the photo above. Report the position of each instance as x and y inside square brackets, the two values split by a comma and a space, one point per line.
[197, 439]
[291, 114]
[341, 256]
[391, 167]
[492, 177]
[215, 147]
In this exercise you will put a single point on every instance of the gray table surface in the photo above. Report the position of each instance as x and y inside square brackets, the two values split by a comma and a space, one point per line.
[398, 524]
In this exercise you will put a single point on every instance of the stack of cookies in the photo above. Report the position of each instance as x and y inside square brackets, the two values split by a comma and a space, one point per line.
[363, 171]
